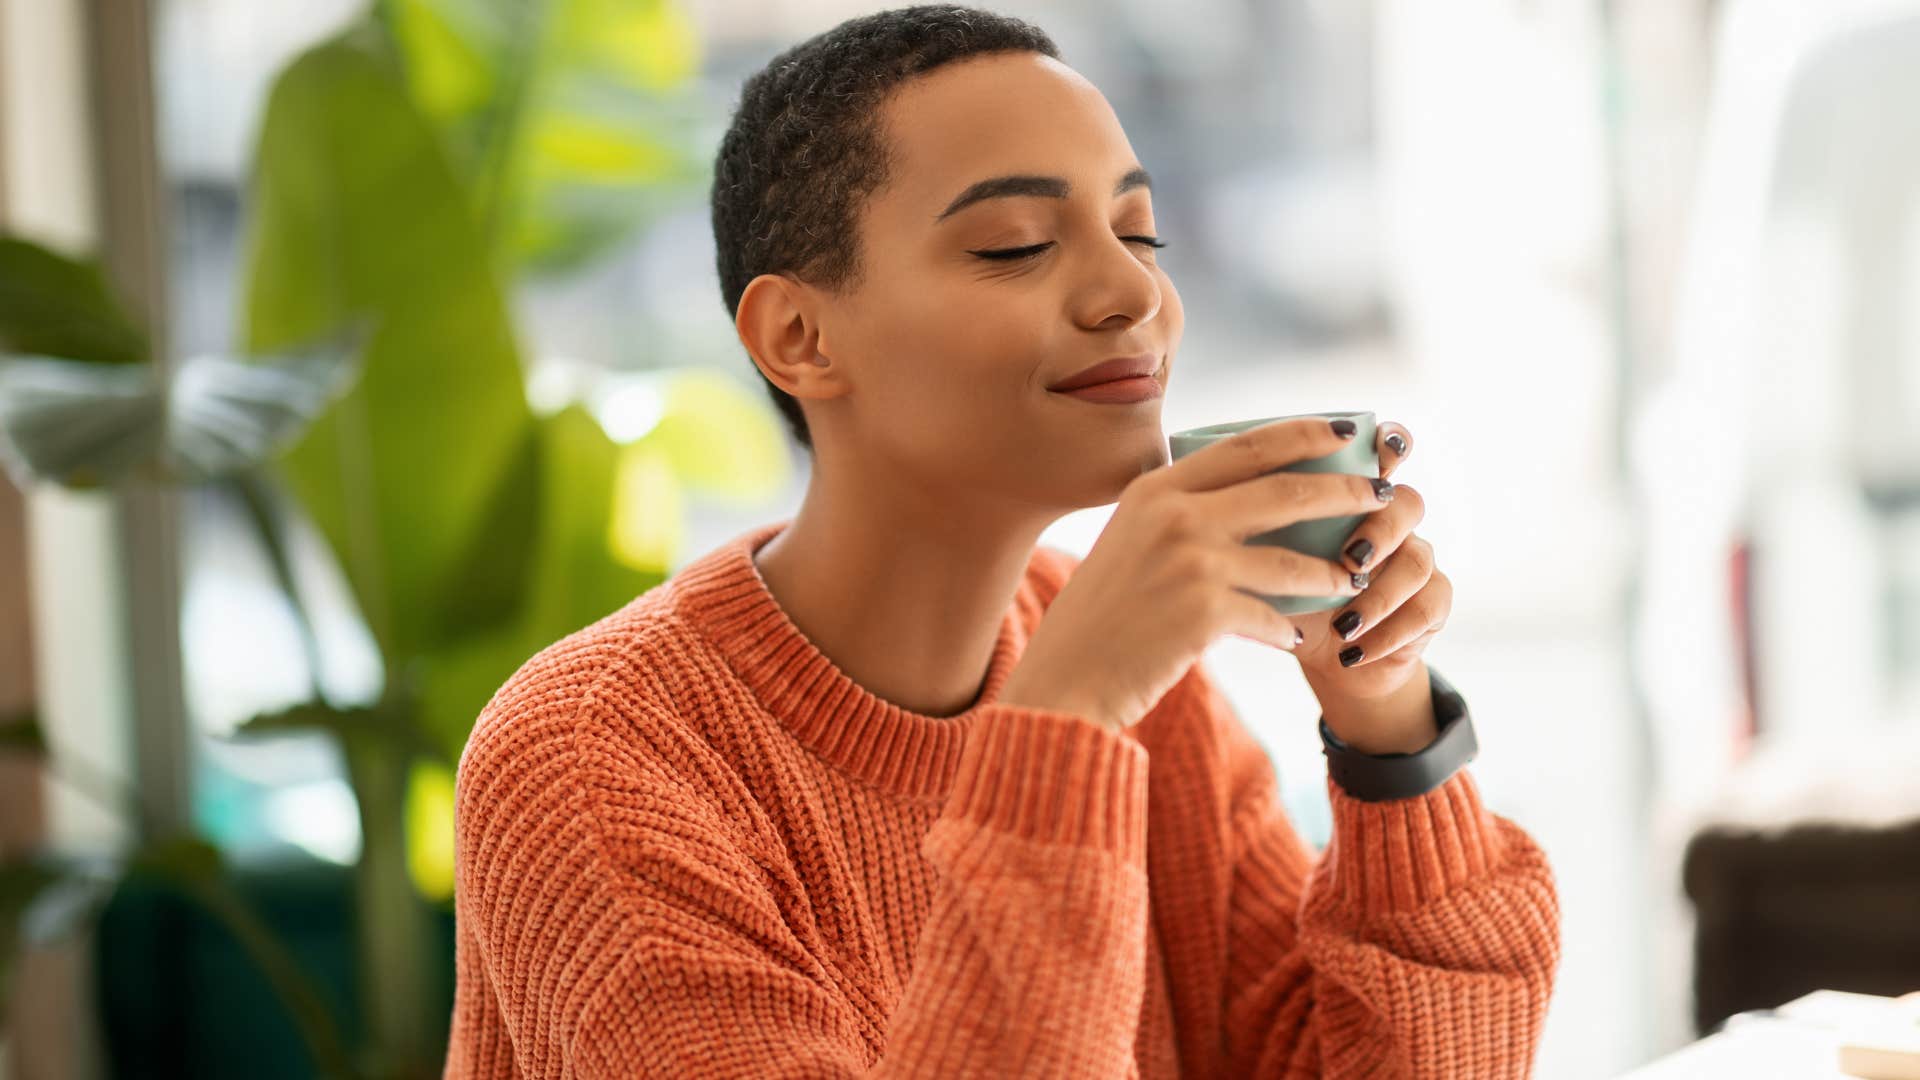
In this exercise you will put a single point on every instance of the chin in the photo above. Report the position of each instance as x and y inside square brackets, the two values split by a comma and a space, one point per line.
[1130, 462]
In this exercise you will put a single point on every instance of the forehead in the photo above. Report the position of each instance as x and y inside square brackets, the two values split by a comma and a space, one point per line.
[993, 114]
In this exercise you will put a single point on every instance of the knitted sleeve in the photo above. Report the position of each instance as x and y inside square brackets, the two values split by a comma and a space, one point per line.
[1421, 943]
[636, 933]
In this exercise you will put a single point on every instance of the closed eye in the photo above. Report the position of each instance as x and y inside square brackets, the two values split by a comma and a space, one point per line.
[1035, 249]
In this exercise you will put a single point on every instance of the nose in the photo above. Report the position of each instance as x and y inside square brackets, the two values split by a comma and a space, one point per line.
[1117, 284]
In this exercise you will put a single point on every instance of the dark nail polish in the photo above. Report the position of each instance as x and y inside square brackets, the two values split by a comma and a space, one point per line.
[1359, 550]
[1346, 429]
[1346, 624]
[1382, 489]
[1351, 656]
[1398, 443]
[1360, 579]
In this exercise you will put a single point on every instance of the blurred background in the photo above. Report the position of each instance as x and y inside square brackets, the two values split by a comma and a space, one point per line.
[353, 350]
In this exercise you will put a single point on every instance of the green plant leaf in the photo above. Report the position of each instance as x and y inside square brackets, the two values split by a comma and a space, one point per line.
[87, 425]
[575, 577]
[382, 722]
[574, 118]
[430, 829]
[53, 305]
[357, 212]
[20, 733]
[502, 539]
[180, 859]
[447, 65]
[79, 424]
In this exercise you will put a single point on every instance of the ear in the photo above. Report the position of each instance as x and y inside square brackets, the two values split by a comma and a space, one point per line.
[778, 322]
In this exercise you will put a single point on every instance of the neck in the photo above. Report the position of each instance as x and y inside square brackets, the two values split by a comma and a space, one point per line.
[903, 592]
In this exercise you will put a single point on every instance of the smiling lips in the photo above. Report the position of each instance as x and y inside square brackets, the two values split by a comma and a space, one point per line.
[1119, 367]
[1119, 391]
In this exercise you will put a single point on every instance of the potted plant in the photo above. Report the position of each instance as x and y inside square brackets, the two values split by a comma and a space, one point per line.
[409, 172]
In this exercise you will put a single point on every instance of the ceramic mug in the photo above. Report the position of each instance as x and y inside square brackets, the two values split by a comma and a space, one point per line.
[1321, 537]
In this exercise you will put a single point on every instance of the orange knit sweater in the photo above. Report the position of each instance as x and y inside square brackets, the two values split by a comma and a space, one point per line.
[689, 845]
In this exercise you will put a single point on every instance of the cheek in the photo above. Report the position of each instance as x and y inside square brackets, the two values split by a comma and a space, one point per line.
[966, 342]
[922, 379]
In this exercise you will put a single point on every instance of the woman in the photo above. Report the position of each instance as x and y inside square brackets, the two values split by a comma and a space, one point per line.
[838, 800]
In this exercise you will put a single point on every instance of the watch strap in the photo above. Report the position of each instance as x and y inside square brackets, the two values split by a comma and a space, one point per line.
[1381, 777]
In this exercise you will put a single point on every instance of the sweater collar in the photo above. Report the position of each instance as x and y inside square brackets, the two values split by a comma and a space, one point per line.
[723, 596]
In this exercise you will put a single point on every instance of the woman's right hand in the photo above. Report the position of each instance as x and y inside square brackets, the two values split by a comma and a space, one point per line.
[1166, 576]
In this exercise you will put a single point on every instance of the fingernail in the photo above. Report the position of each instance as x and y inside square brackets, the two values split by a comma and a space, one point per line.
[1398, 442]
[1382, 489]
[1359, 550]
[1360, 579]
[1346, 429]
[1346, 624]
[1352, 656]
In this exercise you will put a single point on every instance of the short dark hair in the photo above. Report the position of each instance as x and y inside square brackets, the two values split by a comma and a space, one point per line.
[805, 148]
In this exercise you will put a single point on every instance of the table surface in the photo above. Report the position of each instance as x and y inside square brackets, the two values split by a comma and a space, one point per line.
[1753, 1050]
[1799, 1040]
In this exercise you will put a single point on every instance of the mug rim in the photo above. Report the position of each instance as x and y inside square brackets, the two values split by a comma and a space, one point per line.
[1235, 427]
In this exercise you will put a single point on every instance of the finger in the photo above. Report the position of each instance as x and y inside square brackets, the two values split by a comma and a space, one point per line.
[1391, 641]
[1385, 664]
[1256, 620]
[1420, 617]
[1403, 574]
[1382, 532]
[1394, 443]
[1269, 502]
[1272, 570]
[1256, 451]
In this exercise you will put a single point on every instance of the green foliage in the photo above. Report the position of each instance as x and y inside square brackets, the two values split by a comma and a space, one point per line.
[403, 185]
[573, 119]
[55, 306]
[88, 426]
[357, 213]
[406, 170]
[20, 733]
[574, 577]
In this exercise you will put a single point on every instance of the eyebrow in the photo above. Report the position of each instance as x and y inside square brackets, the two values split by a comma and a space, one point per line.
[1052, 187]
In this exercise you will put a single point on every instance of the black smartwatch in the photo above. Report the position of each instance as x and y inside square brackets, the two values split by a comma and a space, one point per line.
[1380, 777]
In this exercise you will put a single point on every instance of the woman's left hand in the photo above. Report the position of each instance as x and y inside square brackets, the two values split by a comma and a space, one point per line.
[1405, 603]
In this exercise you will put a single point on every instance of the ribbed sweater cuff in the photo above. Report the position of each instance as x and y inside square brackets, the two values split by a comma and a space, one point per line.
[1397, 855]
[1053, 777]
